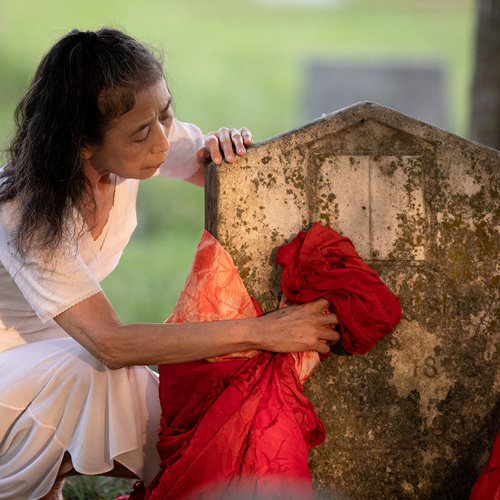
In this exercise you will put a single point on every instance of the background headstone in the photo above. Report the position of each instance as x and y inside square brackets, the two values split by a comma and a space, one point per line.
[417, 89]
[415, 417]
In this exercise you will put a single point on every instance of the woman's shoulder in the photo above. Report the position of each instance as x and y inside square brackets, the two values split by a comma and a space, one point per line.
[182, 159]
[9, 216]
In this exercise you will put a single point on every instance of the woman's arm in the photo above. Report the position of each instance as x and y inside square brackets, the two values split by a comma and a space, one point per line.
[94, 324]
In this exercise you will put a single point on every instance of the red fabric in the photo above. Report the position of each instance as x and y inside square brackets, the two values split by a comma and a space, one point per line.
[235, 429]
[235, 426]
[487, 485]
[322, 263]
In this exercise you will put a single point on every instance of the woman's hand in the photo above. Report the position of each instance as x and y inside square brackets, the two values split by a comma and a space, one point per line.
[305, 327]
[223, 144]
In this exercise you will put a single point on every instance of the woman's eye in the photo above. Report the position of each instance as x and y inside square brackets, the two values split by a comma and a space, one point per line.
[143, 138]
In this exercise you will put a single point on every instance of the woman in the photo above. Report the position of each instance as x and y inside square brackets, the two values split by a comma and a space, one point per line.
[75, 396]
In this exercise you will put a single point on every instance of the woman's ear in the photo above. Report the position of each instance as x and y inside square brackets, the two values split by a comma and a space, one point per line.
[85, 153]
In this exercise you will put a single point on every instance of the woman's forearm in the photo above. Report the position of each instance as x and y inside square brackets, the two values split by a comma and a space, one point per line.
[94, 324]
[151, 344]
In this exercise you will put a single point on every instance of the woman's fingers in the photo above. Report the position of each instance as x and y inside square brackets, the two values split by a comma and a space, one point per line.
[211, 150]
[323, 348]
[320, 304]
[303, 327]
[225, 146]
[323, 306]
[326, 322]
[241, 138]
[331, 336]
[224, 143]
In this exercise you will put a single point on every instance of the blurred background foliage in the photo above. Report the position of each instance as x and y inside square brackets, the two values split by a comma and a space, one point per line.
[229, 63]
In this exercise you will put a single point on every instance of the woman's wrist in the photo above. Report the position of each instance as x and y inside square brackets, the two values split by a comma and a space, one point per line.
[260, 335]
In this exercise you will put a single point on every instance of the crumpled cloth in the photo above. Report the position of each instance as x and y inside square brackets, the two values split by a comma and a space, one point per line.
[235, 429]
[322, 263]
[487, 485]
[235, 426]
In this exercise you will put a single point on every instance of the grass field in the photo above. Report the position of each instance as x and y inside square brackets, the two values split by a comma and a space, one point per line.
[229, 63]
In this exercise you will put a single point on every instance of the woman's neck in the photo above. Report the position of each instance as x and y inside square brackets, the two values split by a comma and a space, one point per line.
[103, 190]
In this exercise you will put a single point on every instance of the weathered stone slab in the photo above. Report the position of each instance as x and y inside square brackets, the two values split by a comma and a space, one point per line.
[415, 417]
[416, 88]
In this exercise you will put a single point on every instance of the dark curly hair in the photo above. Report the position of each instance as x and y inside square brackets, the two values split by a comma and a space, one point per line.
[83, 82]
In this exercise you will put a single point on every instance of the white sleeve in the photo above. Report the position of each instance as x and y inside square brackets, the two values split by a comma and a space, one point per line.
[52, 288]
[182, 160]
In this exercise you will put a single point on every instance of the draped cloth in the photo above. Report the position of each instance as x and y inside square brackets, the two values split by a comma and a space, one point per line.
[322, 263]
[487, 485]
[243, 430]
[235, 426]
[239, 426]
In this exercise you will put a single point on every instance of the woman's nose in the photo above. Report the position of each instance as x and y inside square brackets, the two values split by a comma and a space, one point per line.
[161, 143]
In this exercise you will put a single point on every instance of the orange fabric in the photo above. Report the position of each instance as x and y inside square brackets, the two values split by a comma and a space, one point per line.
[214, 291]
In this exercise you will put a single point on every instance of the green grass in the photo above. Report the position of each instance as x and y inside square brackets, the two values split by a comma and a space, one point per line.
[96, 488]
[154, 266]
[230, 63]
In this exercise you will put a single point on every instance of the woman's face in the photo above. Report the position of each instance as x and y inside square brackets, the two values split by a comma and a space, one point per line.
[136, 143]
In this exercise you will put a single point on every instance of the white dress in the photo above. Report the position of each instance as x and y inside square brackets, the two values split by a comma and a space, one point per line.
[54, 396]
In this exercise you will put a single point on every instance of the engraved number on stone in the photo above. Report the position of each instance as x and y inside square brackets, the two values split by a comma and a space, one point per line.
[429, 368]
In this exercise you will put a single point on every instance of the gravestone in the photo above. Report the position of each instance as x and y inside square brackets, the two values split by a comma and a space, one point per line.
[415, 88]
[416, 416]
